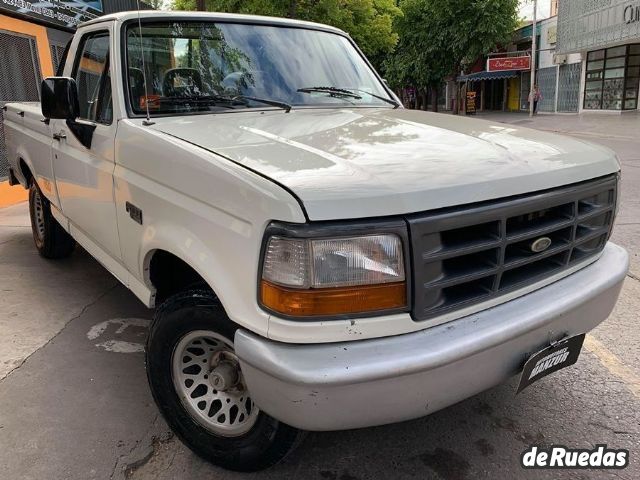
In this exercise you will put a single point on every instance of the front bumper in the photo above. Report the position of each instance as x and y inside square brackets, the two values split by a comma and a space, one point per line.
[346, 385]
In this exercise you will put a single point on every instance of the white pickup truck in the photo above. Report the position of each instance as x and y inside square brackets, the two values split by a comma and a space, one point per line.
[319, 257]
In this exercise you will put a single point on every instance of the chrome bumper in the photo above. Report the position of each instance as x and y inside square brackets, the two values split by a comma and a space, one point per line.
[346, 385]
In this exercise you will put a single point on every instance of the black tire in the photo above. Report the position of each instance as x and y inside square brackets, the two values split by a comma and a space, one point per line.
[52, 241]
[265, 444]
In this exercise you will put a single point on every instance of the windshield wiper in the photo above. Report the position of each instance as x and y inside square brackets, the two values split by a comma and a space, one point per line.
[227, 101]
[274, 103]
[333, 91]
[348, 92]
[212, 99]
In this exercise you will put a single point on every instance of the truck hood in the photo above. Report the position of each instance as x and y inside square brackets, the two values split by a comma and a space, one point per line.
[355, 163]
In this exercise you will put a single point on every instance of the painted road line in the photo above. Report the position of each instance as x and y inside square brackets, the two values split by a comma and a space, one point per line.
[613, 364]
[117, 343]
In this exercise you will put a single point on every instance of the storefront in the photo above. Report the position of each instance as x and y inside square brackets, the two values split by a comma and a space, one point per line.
[557, 76]
[497, 85]
[607, 35]
[611, 78]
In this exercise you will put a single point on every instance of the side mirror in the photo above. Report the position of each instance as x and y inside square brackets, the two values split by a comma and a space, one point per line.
[59, 98]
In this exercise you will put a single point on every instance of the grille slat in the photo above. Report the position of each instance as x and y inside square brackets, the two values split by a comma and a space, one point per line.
[533, 233]
[595, 213]
[591, 235]
[457, 252]
[537, 257]
[448, 282]
[464, 256]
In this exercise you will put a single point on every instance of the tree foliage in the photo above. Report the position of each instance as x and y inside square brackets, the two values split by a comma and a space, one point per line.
[369, 22]
[155, 4]
[438, 37]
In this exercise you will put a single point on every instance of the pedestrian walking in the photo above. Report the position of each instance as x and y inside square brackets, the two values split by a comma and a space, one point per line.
[535, 96]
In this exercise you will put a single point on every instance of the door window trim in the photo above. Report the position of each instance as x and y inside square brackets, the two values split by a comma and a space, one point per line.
[107, 67]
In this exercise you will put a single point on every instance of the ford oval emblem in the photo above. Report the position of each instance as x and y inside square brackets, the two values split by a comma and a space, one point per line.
[540, 244]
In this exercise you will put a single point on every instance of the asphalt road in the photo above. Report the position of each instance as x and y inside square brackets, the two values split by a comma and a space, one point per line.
[74, 402]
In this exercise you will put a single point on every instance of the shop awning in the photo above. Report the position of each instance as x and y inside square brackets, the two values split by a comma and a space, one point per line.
[476, 77]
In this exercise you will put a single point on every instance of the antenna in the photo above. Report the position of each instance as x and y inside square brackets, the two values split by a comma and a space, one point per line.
[147, 121]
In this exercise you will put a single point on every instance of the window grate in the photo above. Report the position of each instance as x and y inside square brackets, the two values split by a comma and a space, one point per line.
[57, 53]
[21, 82]
[546, 78]
[462, 256]
[569, 87]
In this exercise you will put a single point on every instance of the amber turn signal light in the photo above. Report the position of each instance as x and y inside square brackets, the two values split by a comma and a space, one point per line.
[333, 301]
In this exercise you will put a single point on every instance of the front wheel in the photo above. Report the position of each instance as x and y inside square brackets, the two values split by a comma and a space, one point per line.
[197, 383]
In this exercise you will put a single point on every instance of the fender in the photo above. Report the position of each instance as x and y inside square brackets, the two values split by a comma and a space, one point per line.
[205, 210]
[202, 257]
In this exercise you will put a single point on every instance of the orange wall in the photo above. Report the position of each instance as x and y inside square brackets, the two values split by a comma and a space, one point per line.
[11, 195]
[39, 33]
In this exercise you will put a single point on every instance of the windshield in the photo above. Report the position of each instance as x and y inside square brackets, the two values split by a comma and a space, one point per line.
[220, 67]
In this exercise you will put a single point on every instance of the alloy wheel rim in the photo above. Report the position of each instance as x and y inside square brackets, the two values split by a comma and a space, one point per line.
[207, 378]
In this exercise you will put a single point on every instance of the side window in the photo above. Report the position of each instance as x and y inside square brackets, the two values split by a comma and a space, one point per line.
[91, 72]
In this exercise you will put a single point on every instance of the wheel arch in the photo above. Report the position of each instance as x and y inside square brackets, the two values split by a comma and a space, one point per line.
[167, 244]
[168, 273]
[26, 171]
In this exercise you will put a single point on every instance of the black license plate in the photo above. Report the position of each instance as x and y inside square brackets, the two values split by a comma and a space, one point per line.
[551, 359]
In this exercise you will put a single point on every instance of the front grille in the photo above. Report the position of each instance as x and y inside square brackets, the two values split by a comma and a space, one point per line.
[463, 256]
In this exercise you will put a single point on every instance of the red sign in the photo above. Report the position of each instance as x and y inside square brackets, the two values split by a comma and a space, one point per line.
[508, 63]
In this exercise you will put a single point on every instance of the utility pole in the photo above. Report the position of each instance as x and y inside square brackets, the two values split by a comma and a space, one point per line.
[200, 5]
[533, 57]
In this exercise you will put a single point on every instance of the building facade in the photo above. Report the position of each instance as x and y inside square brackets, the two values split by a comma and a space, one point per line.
[587, 60]
[557, 76]
[33, 37]
[606, 34]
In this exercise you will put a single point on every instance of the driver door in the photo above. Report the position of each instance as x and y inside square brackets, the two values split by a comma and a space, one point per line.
[84, 176]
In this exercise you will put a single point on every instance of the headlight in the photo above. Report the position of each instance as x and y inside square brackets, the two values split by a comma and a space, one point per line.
[333, 276]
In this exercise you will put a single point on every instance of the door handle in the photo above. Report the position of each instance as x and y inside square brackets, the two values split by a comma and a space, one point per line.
[59, 136]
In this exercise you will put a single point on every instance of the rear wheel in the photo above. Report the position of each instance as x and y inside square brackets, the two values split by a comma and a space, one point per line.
[51, 240]
[197, 383]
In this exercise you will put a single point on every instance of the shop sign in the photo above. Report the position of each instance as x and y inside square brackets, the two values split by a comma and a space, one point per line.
[60, 13]
[470, 107]
[499, 64]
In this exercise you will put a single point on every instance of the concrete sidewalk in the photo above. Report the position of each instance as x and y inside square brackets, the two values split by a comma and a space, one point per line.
[625, 126]
[38, 298]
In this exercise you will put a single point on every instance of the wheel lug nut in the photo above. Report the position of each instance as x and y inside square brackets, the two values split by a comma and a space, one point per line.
[224, 376]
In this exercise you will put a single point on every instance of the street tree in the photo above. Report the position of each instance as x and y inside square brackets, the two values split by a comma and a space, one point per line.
[155, 4]
[437, 38]
[369, 22]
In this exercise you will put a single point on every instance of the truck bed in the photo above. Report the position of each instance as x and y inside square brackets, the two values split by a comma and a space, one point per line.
[28, 141]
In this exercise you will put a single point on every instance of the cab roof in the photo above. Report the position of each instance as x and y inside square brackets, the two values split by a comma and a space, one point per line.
[210, 16]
